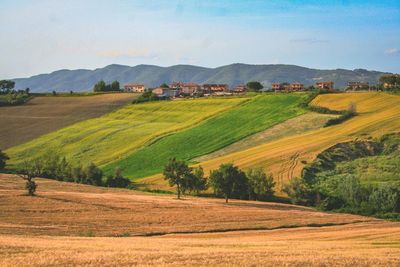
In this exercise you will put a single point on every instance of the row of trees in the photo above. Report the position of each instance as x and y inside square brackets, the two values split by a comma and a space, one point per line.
[228, 181]
[101, 86]
[390, 81]
[53, 166]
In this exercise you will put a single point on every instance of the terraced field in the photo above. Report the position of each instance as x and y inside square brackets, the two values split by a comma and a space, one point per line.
[111, 136]
[42, 115]
[379, 113]
[261, 112]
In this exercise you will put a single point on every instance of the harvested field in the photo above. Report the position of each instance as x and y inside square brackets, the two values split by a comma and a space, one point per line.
[72, 224]
[41, 115]
[69, 209]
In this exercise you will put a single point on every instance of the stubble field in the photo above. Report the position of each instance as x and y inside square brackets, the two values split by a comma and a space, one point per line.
[72, 224]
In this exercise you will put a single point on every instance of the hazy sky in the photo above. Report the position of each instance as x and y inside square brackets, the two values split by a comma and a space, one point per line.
[42, 36]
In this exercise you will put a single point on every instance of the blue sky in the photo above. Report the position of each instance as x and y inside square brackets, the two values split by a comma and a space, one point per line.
[45, 35]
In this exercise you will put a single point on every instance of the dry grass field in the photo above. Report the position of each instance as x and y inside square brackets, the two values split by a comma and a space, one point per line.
[41, 115]
[379, 113]
[72, 224]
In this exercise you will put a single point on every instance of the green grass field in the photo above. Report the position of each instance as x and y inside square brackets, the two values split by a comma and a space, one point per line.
[116, 134]
[260, 113]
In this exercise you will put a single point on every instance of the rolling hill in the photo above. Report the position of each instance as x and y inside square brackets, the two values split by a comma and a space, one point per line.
[45, 114]
[83, 80]
[69, 224]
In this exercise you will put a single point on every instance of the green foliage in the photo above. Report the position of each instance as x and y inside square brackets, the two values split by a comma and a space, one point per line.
[347, 114]
[28, 172]
[261, 186]
[6, 86]
[392, 81]
[101, 86]
[117, 180]
[360, 177]
[93, 174]
[14, 98]
[146, 97]
[179, 174]
[254, 86]
[3, 159]
[257, 114]
[229, 181]
[298, 191]
[164, 85]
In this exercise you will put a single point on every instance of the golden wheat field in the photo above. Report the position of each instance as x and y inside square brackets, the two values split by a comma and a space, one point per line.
[378, 114]
[72, 224]
[45, 114]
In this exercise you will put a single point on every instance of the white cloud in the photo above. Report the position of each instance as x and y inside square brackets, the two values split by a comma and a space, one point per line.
[392, 51]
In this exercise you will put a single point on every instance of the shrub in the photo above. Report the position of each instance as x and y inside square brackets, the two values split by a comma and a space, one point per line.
[261, 186]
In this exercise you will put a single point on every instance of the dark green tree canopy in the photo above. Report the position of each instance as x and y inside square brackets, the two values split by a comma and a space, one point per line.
[254, 86]
[3, 159]
[6, 86]
[229, 181]
[164, 85]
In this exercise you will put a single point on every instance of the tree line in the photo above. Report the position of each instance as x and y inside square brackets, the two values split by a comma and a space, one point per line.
[228, 181]
[9, 96]
[101, 86]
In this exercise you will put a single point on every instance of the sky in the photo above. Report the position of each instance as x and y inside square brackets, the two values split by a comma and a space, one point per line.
[41, 36]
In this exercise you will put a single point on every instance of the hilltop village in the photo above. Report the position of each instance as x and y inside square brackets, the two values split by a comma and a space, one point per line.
[184, 89]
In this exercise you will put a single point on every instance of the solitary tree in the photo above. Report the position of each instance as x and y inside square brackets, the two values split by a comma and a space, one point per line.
[261, 186]
[3, 159]
[254, 86]
[227, 180]
[177, 173]
[28, 172]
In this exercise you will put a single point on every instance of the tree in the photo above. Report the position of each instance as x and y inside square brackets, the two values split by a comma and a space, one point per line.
[261, 186]
[93, 174]
[117, 180]
[195, 181]
[177, 172]
[3, 159]
[299, 191]
[254, 86]
[228, 180]
[28, 172]
[54, 93]
[164, 85]
[6, 86]
[100, 86]
[115, 86]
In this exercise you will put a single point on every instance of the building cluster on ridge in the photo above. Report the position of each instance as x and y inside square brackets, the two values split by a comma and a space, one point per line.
[176, 89]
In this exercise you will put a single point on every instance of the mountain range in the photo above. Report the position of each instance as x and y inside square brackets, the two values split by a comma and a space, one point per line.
[82, 80]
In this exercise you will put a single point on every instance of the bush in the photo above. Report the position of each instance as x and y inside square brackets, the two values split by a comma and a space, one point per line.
[146, 97]
[299, 191]
[117, 180]
[261, 186]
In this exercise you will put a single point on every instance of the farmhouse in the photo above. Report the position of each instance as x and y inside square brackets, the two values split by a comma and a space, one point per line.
[240, 89]
[213, 88]
[325, 85]
[296, 87]
[166, 92]
[357, 85]
[134, 87]
[186, 88]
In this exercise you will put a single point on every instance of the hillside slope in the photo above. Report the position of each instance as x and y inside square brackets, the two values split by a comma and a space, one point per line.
[42, 115]
[151, 76]
[260, 113]
[379, 113]
[70, 224]
[111, 136]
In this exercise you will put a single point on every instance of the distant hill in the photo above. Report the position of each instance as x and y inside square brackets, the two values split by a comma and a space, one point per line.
[83, 80]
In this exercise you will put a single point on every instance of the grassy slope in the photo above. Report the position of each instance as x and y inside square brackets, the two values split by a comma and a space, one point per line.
[371, 170]
[256, 115]
[379, 113]
[106, 138]
[42, 115]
